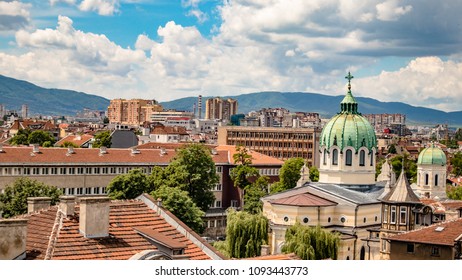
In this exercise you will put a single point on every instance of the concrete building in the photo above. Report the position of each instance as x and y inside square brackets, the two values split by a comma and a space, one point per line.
[24, 111]
[279, 142]
[132, 112]
[221, 109]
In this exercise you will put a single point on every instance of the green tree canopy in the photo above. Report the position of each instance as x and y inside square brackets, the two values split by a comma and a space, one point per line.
[67, 144]
[456, 162]
[40, 137]
[181, 205]
[102, 139]
[21, 138]
[314, 174]
[311, 243]
[193, 170]
[454, 192]
[288, 175]
[253, 193]
[130, 185]
[410, 166]
[243, 171]
[392, 149]
[245, 233]
[14, 199]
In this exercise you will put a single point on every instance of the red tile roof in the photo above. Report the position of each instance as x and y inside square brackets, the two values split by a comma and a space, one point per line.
[123, 241]
[305, 199]
[78, 140]
[444, 233]
[257, 158]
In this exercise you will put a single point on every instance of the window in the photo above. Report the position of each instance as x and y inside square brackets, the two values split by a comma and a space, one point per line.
[410, 248]
[71, 170]
[87, 190]
[88, 170]
[426, 179]
[362, 158]
[234, 203]
[26, 171]
[306, 220]
[385, 214]
[219, 169]
[103, 190]
[343, 219]
[45, 170]
[218, 187]
[348, 157]
[80, 170]
[402, 215]
[325, 157]
[63, 170]
[286, 219]
[211, 223]
[70, 191]
[96, 190]
[54, 170]
[219, 223]
[436, 180]
[384, 245]
[335, 157]
[80, 191]
[35, 171]
[435, 251]
[372, 158]
[364, 220]
[393, 215]
[329, 219]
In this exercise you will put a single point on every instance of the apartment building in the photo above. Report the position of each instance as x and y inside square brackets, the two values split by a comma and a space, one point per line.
[279, 142]
[221, 109]
[132, 112]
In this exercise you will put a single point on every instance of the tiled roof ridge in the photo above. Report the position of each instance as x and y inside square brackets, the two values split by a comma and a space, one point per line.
[35, 213]
[428, 227]
[58, 224]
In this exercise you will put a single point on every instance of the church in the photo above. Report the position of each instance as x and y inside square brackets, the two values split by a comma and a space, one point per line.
[348, 199]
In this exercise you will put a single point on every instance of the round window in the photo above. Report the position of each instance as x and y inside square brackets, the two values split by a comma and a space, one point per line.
[342, 219]
[286, 219]
[306, 220]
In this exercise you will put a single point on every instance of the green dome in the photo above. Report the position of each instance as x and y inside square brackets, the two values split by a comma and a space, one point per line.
[348, 128]
[432, 155]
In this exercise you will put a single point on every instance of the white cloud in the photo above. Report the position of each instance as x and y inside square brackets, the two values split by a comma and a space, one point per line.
[102, 7]
[14, 15]
[425, 81]
[390, 11]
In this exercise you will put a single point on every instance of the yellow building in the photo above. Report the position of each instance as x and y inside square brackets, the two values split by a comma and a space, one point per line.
[132, 112]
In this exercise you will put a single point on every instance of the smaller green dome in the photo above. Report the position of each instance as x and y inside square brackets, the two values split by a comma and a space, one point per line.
[432, 155]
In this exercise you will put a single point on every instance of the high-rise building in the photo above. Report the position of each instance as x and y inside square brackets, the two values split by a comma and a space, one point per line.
[133, 111]
[2, 110]
[24, 111]
[218, 108]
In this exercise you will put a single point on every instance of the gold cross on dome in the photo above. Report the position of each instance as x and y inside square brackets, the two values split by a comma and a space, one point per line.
[349, 77]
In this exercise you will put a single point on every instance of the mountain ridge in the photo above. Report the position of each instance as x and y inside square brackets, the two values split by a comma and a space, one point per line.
[14, 93]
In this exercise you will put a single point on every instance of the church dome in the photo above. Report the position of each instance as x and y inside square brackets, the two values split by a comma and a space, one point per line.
[432, 156]
[348, 128]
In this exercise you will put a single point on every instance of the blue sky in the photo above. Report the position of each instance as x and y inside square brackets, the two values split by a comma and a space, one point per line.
[398, 50]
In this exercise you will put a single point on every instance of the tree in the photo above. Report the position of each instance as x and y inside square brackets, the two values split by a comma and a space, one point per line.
[181, 205]
[311, 243]
[193, 170]
[458, 135]
[454, 192]
[243, 171]
[314, 174]
[253, 193]
[289, 175]
[456, 162]
[392, 149]
[245, 233]
[13, 201]
[102, 139]
[40, 137]
[21, 138]
[410, 166]
[129, 186]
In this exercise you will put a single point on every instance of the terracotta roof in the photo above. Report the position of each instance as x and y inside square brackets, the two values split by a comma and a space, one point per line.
[122, 243]
[305, 199]
[257, 158]
[172, 146]
[169, 130]
[444, 233]
[78, 140]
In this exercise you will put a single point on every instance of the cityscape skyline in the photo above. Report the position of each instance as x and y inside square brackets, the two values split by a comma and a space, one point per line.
[165, 50]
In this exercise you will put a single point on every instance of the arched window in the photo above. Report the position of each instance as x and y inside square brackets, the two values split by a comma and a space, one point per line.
[426, 179]
[372, 158]
[335, 157]
[348, 157]
[362, 158]
[325, 157]
[436, 180]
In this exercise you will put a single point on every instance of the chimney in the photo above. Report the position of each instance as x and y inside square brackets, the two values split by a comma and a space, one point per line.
[35, 204]
[163, 151]
[67, 204]
[35, 148]
[264, 250]
[102, 150]
[70, 150]
[1, 148]
[94, 216]
[13, 234]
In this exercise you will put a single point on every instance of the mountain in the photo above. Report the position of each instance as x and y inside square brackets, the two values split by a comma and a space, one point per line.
[326, 106]
[14, 93]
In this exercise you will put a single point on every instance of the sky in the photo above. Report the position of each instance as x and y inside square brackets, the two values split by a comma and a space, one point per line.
[398, 50]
